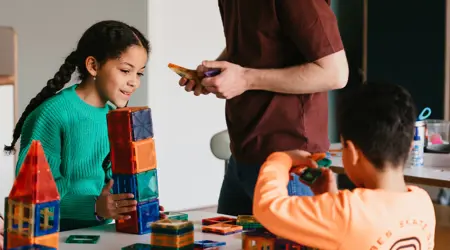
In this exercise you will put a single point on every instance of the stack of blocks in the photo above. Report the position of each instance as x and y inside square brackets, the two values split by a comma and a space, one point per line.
[133, 160]
[172, 234]
[32, 208]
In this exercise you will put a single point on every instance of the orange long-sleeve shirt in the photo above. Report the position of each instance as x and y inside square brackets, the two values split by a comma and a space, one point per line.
[363, 219]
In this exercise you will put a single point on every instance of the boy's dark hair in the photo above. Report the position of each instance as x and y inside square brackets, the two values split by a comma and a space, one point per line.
[104, 40]
[379, 119]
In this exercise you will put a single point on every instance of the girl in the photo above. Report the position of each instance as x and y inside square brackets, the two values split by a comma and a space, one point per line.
[71, 124]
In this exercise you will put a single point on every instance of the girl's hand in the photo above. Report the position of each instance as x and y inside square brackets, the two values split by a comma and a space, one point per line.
[114, 206]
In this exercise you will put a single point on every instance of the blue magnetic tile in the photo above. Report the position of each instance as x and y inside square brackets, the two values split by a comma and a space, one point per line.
[144, 186]
[124, 183]
[208, 243]
[33, 247]
[40, 209]
[147, 214]
[142, 125]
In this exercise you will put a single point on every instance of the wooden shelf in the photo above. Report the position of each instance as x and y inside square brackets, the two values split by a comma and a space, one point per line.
[6, 80]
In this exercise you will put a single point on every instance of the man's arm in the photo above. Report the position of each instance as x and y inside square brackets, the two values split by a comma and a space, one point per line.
[318, 221]
[312, 26]
[328, 73]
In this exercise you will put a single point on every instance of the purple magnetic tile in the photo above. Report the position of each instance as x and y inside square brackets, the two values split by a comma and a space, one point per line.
[213, 72]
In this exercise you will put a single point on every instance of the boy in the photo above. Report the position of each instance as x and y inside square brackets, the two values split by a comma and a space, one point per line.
[377, 127]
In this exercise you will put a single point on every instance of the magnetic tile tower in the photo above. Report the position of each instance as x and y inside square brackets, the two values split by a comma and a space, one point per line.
[32, 207]
[133, 160]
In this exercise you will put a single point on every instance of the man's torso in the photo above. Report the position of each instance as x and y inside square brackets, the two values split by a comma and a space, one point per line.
[261, 122]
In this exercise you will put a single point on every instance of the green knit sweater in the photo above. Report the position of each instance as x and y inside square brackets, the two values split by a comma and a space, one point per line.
[74, 136]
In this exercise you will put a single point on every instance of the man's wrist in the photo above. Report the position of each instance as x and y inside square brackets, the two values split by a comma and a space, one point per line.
[250, 78]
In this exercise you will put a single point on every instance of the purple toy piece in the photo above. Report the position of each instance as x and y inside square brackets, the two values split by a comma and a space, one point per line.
[213, 72]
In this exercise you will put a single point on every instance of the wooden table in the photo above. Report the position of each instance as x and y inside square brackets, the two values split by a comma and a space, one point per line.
[436, 171]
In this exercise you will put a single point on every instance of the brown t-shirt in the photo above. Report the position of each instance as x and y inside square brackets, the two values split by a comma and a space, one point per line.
[277, 34]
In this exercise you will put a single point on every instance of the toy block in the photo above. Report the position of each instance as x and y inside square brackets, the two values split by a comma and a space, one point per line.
[259, 239]
[284, 244]
[208, 244]
[172, 240]
[141, 219]
[16, 240]
[248, 222]
[173, 234]
[20, 219]
[176, 216]
[191, 74]
[144, 185]
[34, 183]
[33, 247]
[222, 229]
[133, 157]
[47, 221]
[219, 219]
[49, 240]
[83, 239]
[172, 227]
[129, 124]
[32, 220]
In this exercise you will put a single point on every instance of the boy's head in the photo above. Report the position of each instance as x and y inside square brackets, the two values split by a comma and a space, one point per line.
[376, 123]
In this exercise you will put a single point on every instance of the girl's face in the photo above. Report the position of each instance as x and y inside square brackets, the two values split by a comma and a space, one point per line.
[117, 79]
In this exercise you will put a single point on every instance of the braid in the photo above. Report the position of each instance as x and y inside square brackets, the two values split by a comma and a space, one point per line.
[54, 85]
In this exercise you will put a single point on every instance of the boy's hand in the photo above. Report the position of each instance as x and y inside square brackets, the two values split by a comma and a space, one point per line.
[326, 183]
[113, 206]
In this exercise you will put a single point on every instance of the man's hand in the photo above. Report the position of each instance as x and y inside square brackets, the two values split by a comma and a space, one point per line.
[191, 85]
[229, 83]
[113, 206]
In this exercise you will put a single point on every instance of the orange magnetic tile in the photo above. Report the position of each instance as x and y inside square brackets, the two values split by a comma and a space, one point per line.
[144, 155]
[15, 240]
[35, 183]
[175, 241]
[219, 219]
[134, 157]
[222, 228]
[183, 72]
[49, 240]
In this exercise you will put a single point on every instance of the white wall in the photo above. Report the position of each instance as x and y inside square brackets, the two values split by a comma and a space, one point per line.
[184, 33]
[48, 30]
